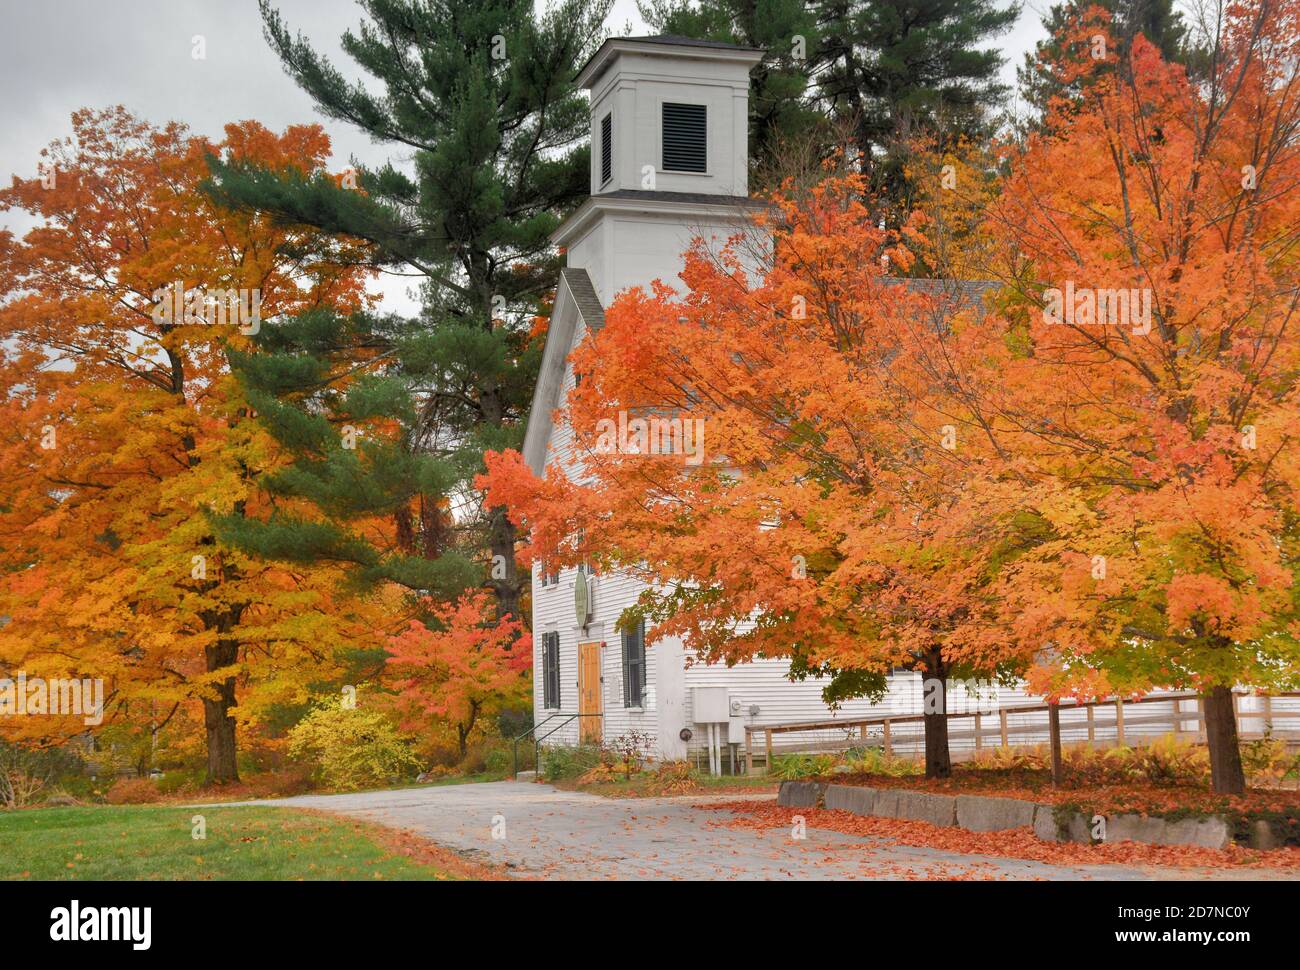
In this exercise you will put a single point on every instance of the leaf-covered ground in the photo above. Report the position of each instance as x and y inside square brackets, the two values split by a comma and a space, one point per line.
[1013, 843]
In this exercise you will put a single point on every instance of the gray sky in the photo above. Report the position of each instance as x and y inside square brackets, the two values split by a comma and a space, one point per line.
[60, 55]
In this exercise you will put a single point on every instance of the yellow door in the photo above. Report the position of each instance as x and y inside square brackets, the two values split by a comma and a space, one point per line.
[589, 693]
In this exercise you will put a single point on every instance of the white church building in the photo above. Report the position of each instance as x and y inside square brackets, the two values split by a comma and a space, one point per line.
[671, 113]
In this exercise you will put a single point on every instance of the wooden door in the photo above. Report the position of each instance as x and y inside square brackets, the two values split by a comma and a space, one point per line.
[589, 693]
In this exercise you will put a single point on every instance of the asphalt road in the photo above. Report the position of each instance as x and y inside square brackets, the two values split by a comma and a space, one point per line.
[540, 831]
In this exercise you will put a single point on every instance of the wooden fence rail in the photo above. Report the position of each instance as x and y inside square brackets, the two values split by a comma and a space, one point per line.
[1127, 721]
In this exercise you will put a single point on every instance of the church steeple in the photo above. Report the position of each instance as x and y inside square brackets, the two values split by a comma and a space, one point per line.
[669, 114]
[669, 168]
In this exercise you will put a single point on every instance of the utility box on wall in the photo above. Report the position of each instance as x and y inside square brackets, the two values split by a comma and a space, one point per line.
[709, 705]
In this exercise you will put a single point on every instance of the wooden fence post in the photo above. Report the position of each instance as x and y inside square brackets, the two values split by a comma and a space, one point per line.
[1119, 723]
[977, 732]
[749, 752]
[889, 744]
[1092, 724]
[1002, 725]
[1054, 730]
[1268, 714]
[769, 750]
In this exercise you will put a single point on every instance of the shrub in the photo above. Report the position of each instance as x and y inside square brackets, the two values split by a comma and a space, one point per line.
[1267, 758]
[874, 761]
[560, 762]
[675, 778]
[351, 748]
[605, 771]
[788, 767]
[1008, 759]
[498, 761]
[180, 780]
[1168, 761]
[132, 791]
[631, 752]
[25, 773]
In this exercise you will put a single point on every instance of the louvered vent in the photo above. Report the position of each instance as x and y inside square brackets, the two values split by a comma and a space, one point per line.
[606, 148]
[685, 138]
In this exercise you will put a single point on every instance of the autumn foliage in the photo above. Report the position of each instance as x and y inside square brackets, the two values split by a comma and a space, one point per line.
[1067, 455]
[457, 665]
[1083, 472]
[122, 432]
[1160, 437]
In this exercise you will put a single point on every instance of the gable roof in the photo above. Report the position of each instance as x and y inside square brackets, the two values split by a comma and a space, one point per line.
[681, 40]
[575, 299]
[584, 295]
[959, 293]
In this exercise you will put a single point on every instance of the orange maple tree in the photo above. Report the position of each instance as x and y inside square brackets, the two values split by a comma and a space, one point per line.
[1149, 251]
[457, 665]
[122, 431]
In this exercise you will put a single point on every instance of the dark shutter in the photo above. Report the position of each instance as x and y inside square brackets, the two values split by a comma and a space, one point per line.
[634, 666]
[685, 138]
[551, 670]
[606, 148]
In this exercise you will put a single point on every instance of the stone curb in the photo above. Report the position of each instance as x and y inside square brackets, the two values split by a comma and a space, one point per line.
[978, 813]
[986, 814]
[801, 794]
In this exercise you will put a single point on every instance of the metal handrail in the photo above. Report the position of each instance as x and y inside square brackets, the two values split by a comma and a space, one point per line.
[538, 739]
[531, 730]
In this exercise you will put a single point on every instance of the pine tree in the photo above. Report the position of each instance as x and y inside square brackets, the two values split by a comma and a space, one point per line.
[881, 69]
[1040, 76]
[389, 416]
[890, 67]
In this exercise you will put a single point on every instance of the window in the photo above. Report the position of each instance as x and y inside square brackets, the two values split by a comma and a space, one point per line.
[634, 666]
[685, 137]
[549, 579]
[551, 671]
[606, 148]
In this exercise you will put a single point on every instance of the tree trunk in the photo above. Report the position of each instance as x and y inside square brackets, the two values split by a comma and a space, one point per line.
[1054, 732]
[938, 762]
[505, 578]
[466, 728]
[1221, 736]
[222, 765]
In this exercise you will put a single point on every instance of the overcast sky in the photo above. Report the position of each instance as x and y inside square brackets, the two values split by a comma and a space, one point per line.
[60, 55]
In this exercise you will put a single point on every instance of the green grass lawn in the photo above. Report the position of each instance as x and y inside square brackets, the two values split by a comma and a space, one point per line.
[154, 842]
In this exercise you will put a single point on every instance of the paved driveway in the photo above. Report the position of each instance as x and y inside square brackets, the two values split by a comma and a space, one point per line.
[568, 835]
